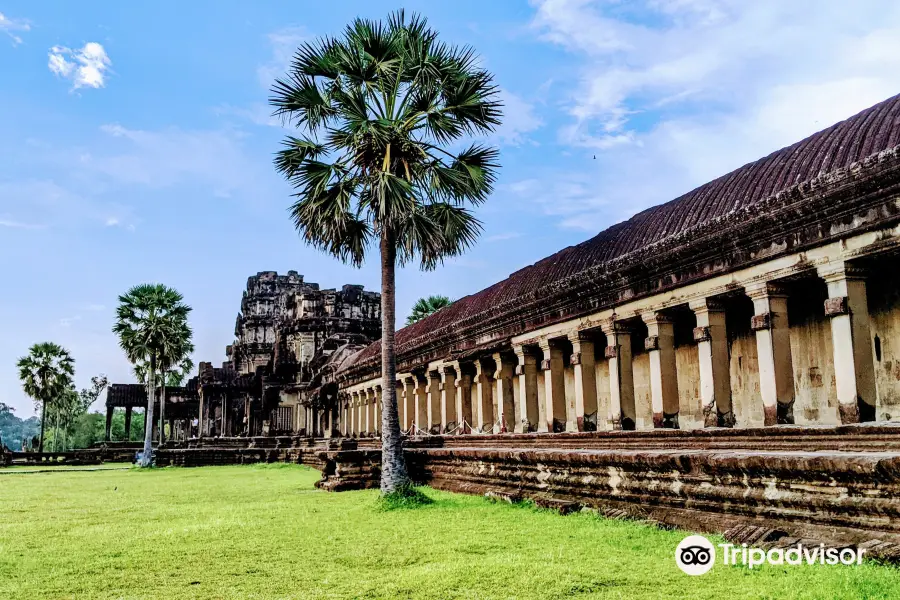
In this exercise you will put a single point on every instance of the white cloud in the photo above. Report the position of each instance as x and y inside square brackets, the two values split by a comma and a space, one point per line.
[213, 158]
[499, 237]
[9, 25]
[85, 67]
[18, 224]
[257, 113]
[671, 94]
[518, 119]
[284, 43]
[39, 204]
[68, 321]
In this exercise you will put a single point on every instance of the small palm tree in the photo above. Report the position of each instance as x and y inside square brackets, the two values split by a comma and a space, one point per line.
[151, 321]
[427, 306]
[381, 111]
[46, 372]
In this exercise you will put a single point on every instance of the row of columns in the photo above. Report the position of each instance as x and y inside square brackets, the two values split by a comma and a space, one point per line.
[440, 399]
[851, 342]
[361, 413]
[459, 397]
[179, 429]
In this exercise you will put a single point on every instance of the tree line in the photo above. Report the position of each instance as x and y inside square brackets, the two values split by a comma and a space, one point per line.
[152, 328]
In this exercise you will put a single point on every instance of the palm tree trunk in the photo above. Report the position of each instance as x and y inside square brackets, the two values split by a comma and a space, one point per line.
[148, 420]
[162, 410]
[393, 466]
[43, 420]
[56, 434]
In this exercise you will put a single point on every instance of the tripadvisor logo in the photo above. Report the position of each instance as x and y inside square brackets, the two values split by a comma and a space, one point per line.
[696, 555]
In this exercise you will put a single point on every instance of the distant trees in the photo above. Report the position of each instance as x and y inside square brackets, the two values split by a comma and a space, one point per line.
[152, 327]
[427, 306]
[378, 162]
[13, 429]
[47, 374]
[69, 413]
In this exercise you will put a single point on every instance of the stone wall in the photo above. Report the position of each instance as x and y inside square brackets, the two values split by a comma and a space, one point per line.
[836, 484]
[844, 497]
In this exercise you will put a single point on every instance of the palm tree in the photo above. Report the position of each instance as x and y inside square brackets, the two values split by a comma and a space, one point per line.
[427, 306]
[380, 110]
[46, 373]
[150, 322]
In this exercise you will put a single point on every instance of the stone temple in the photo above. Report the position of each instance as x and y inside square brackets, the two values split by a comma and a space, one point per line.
[728, 360]
[291, 338]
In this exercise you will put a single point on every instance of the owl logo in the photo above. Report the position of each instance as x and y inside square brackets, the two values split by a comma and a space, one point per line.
[695, 555]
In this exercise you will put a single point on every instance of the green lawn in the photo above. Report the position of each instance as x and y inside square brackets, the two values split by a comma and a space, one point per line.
[18, 469]
[265, 532]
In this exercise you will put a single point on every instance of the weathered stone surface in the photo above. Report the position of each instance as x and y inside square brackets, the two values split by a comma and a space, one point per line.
[829, 495]
[837, 306]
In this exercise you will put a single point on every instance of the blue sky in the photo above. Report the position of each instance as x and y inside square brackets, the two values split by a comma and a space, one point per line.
[135, 141]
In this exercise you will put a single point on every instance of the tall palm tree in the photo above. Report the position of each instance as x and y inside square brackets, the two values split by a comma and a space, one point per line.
[150, 322]
[46, 372]
[427, 306]
[381, 112]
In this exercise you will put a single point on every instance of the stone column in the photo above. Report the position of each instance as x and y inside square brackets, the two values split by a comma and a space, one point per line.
[420, 413]
[367, 412]
[328, 419]
[773, 344]
[504, 397]
[854, 365]
[663, 380]
[528, 396]
[109, 416]
[434, 402]
[555, 417]
[128, 423]
[351, 415]
[200, 413]
[464, 399]
[224, 432]
[361, 413]
[582, 361]
[484, 401]
[711, 336]
[405, 398]
[449, 418]
[621, 375]
[347, 417]
[376, 411]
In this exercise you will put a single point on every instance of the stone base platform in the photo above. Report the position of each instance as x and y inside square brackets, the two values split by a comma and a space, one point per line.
[838, 485]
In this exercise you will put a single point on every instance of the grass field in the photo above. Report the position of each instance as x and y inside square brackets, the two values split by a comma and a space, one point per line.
[17, 469]
[265, 532]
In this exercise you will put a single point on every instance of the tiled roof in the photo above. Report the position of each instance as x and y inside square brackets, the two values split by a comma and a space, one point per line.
[135, 394]
[874, 130]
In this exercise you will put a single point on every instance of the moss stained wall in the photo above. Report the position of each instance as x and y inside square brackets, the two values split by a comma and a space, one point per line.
[883, 290]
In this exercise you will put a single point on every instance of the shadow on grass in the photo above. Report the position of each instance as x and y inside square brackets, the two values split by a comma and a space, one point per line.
[280, 465]
[403, 499]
